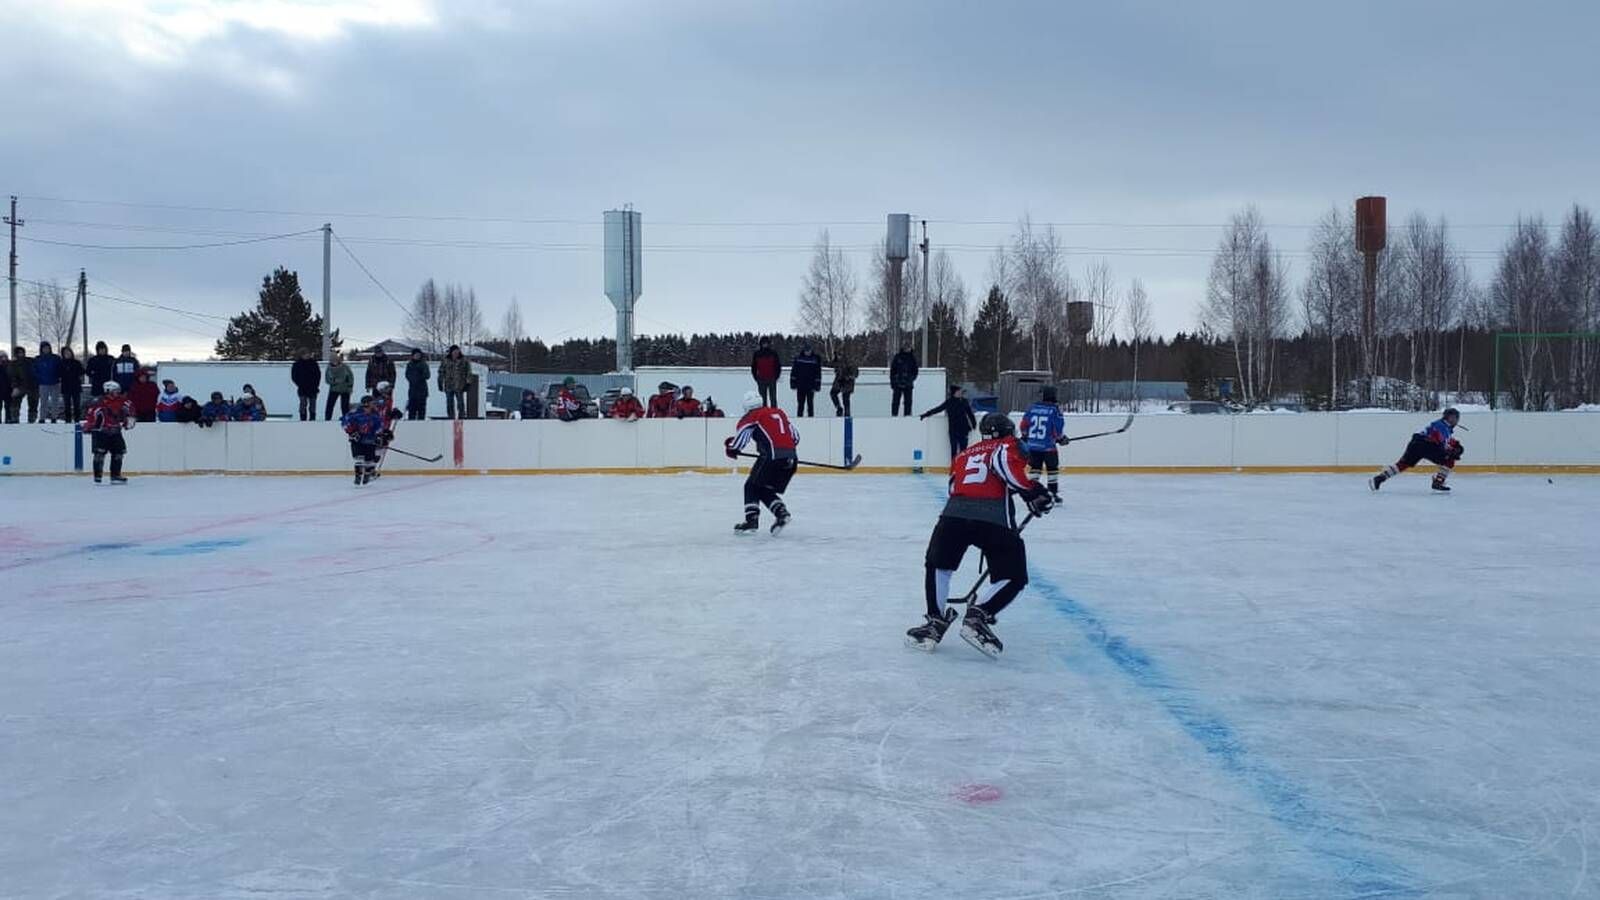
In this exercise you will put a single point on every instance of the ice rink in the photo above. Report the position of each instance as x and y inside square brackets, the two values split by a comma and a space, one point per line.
[587, 686]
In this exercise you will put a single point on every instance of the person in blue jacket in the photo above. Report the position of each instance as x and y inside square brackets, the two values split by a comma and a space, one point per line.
[1436, 444]
[1043, 430]
[217, 410]
[805, 377]
[47, 375]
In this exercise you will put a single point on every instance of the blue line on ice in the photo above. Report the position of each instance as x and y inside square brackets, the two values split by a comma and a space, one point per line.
[196, 548]
[1289, 804]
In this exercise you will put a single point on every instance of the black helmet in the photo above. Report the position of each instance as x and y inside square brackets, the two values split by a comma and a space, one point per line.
[365, 399]
[1452, 411]
[996, 425]
[1048, 393]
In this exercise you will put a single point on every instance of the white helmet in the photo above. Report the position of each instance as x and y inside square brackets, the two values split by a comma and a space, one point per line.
[112, 387]
[752, 400]
[626, 392]
[384, 386]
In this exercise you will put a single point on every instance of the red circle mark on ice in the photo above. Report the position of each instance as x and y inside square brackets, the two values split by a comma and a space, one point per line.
[978, 794]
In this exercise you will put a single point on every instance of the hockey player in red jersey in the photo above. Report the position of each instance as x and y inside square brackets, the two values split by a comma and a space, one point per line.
[776, 442]
[979, 514]
[108, 417]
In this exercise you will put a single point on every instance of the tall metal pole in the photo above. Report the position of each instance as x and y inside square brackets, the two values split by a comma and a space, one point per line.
[83, 291]
[926, 310]
[15, 223]
[327, 292]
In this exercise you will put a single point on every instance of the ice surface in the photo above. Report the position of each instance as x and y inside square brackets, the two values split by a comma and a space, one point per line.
[1245, 686]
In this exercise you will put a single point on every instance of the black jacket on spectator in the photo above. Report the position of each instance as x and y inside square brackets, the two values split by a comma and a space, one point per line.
[903, 370]
[101, 369]
[71, 376]
[958, 414]
[805, 372]
[417, 377]
[532, 406]
[189, 411]
[5, 382]
[307, 376]
[126, 368]
[379, 368]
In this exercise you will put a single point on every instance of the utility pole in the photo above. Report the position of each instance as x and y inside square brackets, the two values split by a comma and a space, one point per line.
[327, 292]
[15, 223]
[926, 310]
[83, 291]
[77, 303]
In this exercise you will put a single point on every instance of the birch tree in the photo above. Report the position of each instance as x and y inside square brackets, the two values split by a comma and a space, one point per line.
[828, 295]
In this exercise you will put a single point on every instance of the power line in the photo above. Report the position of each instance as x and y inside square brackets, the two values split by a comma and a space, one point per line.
[252, 240]
[373, 278]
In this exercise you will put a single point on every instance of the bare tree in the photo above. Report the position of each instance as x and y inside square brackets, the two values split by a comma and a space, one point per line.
[1140, 323]
[46, 314]
[1247, 300]
[1577, 287]
[1038, 288]
[442, 318]
[512, 330]
[1330, 298]
[880, 295]
[1431, 279]
[946, 290]
[1522, 295]
[828, 296]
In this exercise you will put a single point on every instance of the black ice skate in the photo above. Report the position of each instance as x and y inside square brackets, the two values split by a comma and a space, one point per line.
[1377, 481]
[781, 513]
[975, 631]
[118, 479]
[1439, 485]
[928, 635]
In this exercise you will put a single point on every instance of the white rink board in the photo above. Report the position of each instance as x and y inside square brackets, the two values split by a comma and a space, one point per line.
[588, 687]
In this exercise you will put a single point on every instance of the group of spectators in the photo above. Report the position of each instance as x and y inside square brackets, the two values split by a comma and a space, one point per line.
[452, 380]
[669, 402]
[805, 378]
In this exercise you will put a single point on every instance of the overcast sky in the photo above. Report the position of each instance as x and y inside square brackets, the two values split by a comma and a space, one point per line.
[709, 117]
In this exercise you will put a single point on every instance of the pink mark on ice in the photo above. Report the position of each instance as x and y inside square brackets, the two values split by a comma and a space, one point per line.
[979, 794]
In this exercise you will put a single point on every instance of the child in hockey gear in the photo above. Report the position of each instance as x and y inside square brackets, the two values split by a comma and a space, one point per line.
[218, 410]
[776, 442]
[627, 408]
[713, 411]
[568, 407]
[108, 417]
[687, 406]
[979, 514]
[365, 428]
[250, 408]
[1436, 444]
[665, 398]
[1043, 430]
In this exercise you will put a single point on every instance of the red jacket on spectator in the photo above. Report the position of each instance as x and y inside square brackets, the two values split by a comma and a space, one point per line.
[687, 408]
[661, 405]
[567, 406]
[627, 406]
[144, 395]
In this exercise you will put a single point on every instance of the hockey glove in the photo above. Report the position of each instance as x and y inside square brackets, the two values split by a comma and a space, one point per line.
[386, 437]
[1063, 440]
[1038, 500]
[396, 414]
[1455, 449]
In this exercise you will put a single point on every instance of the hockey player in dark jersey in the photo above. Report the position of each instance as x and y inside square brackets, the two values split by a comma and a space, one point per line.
[1043, 430]
[776, 442]
[979, 514]
[108, 417]
[1436, 443]
[366, 429]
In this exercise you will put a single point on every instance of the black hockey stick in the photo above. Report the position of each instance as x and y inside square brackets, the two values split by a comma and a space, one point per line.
[1084, 437]
[844, 468]
[983, 570]
[434, 458]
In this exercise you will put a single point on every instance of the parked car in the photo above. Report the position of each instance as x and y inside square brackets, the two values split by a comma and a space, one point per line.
[1200, 407]
[580, 390]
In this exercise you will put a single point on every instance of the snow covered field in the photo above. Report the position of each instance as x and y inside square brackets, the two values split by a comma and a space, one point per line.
[1217, 686]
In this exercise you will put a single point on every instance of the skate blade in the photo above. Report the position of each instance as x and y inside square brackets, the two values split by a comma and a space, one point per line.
[980, 646]
[777, 529]
[923, 645]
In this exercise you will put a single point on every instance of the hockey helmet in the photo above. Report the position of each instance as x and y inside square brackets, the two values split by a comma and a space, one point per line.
[1451, 413]
[1048, 393]
[996, 425]
[111, 387]
[384, 386]
[752, 400]
[365, 399]
[626, 392]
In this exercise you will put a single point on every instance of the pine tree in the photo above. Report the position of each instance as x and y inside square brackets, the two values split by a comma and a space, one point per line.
[279, 327]
[994, 335]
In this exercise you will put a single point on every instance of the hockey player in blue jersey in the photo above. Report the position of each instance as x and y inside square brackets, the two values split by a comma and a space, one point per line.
[368, 432]
[1436, 443]
[1043, 430]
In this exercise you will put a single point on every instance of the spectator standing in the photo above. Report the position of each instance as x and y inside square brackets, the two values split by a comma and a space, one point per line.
[8, 402]
[307, 378]
[217, 410]
[341, 383]
[454, 375]
[249, 408]
[23, 385]
[844, 383]
[47, 381]
[380, 368]
[417, 375]
[958, 413]
[125, 370]
[902, 377]
[627, 407]
[71, 386]
[805, 376]
[687, 406]
[766, 367]
[144, 396]
[662, 402]
[168, 402]
[568, 409]
[100, 368]
[532, 407]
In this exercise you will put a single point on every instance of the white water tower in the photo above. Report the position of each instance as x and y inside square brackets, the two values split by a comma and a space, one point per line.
[624, 277]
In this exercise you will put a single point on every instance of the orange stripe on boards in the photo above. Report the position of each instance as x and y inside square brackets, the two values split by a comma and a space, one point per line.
[876, 470]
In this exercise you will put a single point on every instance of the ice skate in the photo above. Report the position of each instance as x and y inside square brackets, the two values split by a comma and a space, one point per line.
[975, 630]
[1440, 486]
[1377, 481]
[781, 513]
[118, 479]
[928, 635]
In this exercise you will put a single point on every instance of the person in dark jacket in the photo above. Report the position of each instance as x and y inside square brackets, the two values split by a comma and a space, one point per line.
[47, 381]
[766, 368]
[218, 410]
[23, 387]
[144, 396]
[902, 377]
[71, 386]
[126, 369]
[713, 411]
[958, 413]
[455, 374]
[190, 411]
[100, 368]
[805, 376]
[844, 383]
[417, 375]
[341, 384]
[532, 407]
[687, 406]
[379, 368]
[8, 409]
[307, 378]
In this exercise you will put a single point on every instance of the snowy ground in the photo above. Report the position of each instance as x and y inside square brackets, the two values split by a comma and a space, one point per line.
[588, 687]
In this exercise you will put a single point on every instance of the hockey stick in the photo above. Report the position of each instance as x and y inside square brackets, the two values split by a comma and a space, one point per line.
[844, 468]
[432, 459]
[983, 570]
[1084, 437]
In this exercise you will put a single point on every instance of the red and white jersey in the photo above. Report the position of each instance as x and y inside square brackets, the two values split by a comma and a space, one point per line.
[770, 429]
[108, 415]
[982, 479]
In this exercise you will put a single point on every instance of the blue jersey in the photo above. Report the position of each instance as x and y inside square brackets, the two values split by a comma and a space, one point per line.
[363, 427]
[1042, 426]
[1437, 433]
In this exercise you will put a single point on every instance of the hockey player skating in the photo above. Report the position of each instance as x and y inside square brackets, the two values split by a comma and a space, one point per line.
[108, 417]
[366, 430]
[1436, 443]
[979, 514]
[1043, 430]
[776, 442]
[383, 406]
